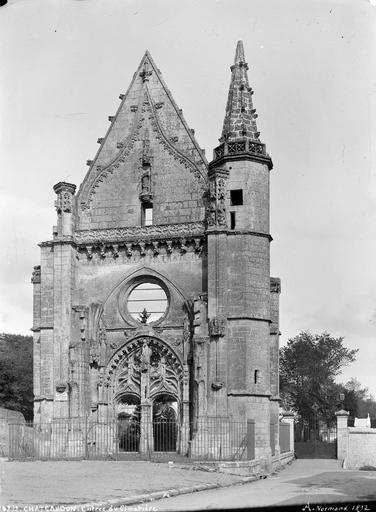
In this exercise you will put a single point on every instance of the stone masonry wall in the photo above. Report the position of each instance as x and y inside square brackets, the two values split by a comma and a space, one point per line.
[253, 179]
[361, 448]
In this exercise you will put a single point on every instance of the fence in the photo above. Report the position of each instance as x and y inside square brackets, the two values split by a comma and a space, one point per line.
[81, 438]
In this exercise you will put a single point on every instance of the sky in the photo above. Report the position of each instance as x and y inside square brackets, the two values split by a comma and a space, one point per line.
[63, 64]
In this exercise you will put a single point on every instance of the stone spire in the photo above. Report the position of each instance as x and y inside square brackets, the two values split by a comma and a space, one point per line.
[240, 137]
[240, 118]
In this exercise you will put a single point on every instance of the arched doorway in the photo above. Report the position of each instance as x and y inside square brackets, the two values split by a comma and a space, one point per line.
[146, 388]
[165, 424]
[128, 420]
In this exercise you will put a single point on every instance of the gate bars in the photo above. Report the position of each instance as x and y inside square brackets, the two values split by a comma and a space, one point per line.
[212, 438]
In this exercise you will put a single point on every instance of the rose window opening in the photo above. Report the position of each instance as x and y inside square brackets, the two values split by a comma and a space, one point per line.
[147, 303]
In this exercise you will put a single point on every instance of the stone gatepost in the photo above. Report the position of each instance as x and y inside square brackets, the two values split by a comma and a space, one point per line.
[342, 434]
[289, 417]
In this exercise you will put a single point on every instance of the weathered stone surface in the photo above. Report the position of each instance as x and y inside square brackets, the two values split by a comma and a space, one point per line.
[214, 348]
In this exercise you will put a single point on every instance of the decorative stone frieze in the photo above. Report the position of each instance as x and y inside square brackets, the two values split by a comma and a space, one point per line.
[141, 248]
[161, 232]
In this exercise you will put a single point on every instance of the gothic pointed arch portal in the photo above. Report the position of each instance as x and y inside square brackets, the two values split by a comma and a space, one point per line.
[144, 378]
[145, 368]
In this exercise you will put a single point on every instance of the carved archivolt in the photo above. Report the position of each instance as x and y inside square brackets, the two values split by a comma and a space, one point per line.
[147, 356]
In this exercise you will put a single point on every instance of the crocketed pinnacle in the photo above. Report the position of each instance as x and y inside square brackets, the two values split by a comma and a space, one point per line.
[240, 118]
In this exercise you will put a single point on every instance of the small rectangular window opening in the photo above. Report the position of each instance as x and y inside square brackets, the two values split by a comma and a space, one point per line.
[236, 197]
[148, 215]
[232, 220]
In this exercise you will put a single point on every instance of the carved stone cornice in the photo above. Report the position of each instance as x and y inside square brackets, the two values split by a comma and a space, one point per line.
[146, 233]
[142, 248]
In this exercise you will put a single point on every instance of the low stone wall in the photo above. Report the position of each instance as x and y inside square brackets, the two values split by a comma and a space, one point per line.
[282, 460]
[255, 467]
[361, 448]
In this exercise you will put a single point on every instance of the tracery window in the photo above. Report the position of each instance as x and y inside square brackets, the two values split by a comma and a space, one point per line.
[147, 302]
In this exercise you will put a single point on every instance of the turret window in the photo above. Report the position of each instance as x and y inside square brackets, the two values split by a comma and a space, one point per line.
[236, 197]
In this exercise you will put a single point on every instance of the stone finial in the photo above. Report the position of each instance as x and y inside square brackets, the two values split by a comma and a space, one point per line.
[239, 53]
[65, 192]
[240, 118]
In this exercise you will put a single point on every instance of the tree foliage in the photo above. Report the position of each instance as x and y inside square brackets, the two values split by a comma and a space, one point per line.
[357, 400]
[309, 365]
[16, 373]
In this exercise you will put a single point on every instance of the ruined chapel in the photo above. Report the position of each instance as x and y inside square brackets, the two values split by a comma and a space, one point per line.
[155, 289]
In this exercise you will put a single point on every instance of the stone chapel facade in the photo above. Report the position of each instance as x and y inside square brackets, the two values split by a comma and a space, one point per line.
[156, 284]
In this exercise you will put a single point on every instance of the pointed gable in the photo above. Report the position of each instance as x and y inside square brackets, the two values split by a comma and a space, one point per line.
[149, 155]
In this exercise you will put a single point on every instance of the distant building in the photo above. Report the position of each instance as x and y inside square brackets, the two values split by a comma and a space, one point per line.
[155, 290]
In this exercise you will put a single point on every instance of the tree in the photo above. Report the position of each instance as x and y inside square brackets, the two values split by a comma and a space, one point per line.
[16, 373]
[309, 365]
[358, 401]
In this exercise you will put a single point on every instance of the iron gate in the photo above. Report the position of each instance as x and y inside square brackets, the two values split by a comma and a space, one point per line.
[316, 439]
[81, 438]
